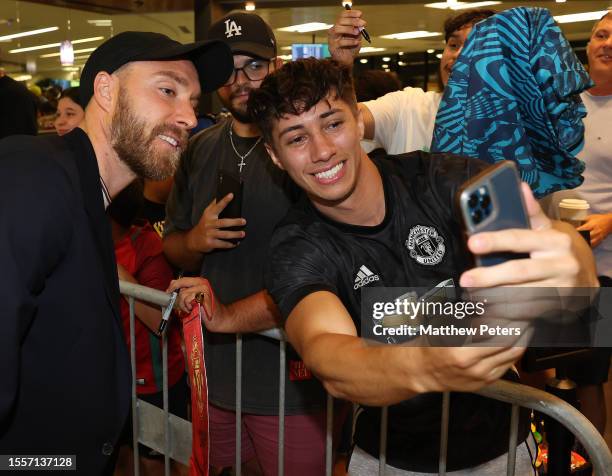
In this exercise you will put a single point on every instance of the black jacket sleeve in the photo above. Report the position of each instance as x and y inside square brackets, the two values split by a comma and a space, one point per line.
[36, 203]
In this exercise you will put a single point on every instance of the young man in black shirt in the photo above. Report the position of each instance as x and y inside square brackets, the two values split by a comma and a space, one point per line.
[356, 228]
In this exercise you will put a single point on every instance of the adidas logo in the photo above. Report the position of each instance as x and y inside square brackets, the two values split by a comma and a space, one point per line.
[364, 276]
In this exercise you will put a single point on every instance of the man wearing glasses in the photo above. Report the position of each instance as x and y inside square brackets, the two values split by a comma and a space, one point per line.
[231, 254]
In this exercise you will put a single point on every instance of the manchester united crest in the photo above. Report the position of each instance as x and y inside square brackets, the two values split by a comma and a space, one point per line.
[426, 246]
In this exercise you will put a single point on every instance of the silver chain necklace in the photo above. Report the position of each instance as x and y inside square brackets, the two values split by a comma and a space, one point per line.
[242, 163]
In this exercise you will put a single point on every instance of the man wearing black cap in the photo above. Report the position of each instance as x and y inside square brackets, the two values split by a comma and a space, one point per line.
[233, 260]
[63, 360]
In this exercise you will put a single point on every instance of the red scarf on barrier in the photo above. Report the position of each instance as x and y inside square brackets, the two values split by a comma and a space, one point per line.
[194, 347]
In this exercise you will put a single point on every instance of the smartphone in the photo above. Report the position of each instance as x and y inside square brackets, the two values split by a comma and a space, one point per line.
[230, 183]
[492, 201]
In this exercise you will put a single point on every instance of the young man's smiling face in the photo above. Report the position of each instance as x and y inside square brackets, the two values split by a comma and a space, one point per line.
[320, 149]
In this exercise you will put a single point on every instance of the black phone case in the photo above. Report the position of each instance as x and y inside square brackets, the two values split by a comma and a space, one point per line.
[492, 201]
[230, 183]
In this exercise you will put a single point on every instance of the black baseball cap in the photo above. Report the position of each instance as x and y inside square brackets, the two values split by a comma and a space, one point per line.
[245, 33]
[212, 59]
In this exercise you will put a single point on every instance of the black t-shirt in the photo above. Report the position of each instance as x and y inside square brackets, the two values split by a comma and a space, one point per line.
[419, 243]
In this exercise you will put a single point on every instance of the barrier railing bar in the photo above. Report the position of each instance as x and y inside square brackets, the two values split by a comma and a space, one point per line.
[238, 404]
[275, 333]
[444, 433]
[514, 424]
[134, 398]
[166, 403]
[382, 452]
[281, 406]
[516, 394]
[329, 425]
[137, 291]
[151, 425]
[572, 419]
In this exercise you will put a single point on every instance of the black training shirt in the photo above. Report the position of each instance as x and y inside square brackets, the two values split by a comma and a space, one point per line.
[419, 243]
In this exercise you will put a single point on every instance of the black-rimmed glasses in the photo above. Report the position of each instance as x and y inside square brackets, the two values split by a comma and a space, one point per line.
[254, 70]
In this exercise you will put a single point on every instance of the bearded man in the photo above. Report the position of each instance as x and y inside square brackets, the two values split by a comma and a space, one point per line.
[65, 368]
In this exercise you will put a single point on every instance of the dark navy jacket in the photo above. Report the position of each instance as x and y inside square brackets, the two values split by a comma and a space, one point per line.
[64, 364]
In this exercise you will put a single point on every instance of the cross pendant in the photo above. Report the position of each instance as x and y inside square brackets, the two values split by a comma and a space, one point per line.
[241, 164]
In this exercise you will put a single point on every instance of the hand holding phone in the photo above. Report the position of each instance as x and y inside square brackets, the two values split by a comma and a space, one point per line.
[493, 201]
[548, 281]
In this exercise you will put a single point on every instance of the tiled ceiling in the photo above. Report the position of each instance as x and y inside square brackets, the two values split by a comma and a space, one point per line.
[175, 18]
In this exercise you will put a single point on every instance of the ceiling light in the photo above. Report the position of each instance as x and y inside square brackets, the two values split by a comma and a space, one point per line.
[55, 45]
[346, 2]
[386, 59]
[249, 6]
[560, 1]
[71, 68]
[431, 50]
[410, 35]
[371, 49]
[401, 53]
[306, 27]
[576, 17]
[23, 77]
[52, 55]
[439, 56]
[66, 53]
[363, 60]
[28, 33]
[286, 57]
[401, 63]
[454, 5]
[101, 22]
[31, 66]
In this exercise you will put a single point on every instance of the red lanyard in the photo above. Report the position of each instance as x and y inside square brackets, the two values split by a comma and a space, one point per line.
[194, 346]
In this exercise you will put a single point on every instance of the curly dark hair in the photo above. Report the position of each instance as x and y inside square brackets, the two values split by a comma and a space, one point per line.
[296, 88]
[463, 19]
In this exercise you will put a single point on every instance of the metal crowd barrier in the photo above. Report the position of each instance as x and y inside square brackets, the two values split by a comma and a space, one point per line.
[171, 435]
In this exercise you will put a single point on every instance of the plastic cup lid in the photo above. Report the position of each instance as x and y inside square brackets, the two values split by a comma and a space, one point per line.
[574, 204]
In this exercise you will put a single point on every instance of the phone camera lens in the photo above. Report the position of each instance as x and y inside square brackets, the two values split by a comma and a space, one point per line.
[473, 201]
[485, 201]
[476, 216]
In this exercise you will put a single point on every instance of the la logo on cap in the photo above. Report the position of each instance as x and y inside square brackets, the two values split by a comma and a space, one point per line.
[231, 29]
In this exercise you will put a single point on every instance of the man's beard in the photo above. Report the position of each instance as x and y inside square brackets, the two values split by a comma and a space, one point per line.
[240, 114]
[136, 148]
